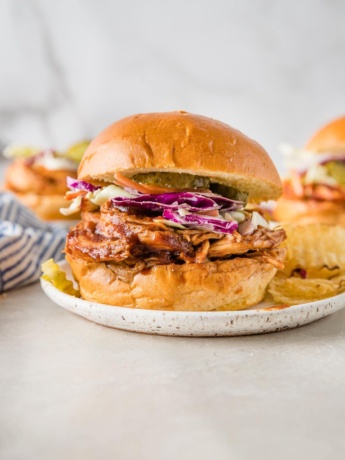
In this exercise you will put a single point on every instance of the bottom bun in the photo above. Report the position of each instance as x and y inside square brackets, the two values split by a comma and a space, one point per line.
[309, 211]
[233, 284]
[47, 207]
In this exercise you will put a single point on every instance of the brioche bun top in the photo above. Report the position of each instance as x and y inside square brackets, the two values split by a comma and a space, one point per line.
[330, 138]
[181, 142]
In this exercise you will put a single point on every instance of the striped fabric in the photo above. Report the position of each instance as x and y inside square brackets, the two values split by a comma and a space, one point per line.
[25, 242]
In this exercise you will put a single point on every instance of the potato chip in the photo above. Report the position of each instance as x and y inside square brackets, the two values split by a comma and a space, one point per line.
[323, 272]
[314, 266]
[314, 246]
[293, 291]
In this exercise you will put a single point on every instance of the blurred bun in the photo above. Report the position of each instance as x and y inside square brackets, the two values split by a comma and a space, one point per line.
[309, 211]
[233, 284]
[330, 138]
[180, 142]
[46, 207]
[40, 190]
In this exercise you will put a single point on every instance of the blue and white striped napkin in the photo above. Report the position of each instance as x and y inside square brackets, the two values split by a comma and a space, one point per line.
[25, 243]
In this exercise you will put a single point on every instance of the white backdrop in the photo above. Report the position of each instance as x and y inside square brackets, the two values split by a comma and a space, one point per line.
[274, 69]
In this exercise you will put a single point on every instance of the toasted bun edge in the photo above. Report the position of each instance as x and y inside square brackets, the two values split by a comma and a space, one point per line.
[330, 138]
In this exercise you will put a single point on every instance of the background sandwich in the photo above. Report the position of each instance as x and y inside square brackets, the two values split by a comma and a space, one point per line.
[314, 188]
[38, 177]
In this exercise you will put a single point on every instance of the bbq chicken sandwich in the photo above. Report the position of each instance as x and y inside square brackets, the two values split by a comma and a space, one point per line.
[164, 224]
[314, 188]
[37, 177]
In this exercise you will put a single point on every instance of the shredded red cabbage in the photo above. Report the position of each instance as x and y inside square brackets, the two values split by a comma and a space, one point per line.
[201, 221]
[80, 185]
[167, 204]
[226, 203]
[193, 202]
[158, 202]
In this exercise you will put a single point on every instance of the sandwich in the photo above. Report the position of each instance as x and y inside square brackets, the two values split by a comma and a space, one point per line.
[38, 177]
[164, 224]
[314, 188]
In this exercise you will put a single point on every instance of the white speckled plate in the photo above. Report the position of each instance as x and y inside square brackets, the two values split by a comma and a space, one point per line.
[257, 320]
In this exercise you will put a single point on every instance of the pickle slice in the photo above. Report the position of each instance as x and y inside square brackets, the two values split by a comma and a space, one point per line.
[229, 192]
[336, 169]
[189, 181]
[76, 151]
[173, 180]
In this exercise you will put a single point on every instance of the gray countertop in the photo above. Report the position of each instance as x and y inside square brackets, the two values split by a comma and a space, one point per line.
[71, 389]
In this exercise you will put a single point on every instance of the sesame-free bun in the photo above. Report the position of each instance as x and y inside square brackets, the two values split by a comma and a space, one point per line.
[307, 211]
[233, 284]
[330, 138]
[46, 207]
[180, 142]
[44, 197]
